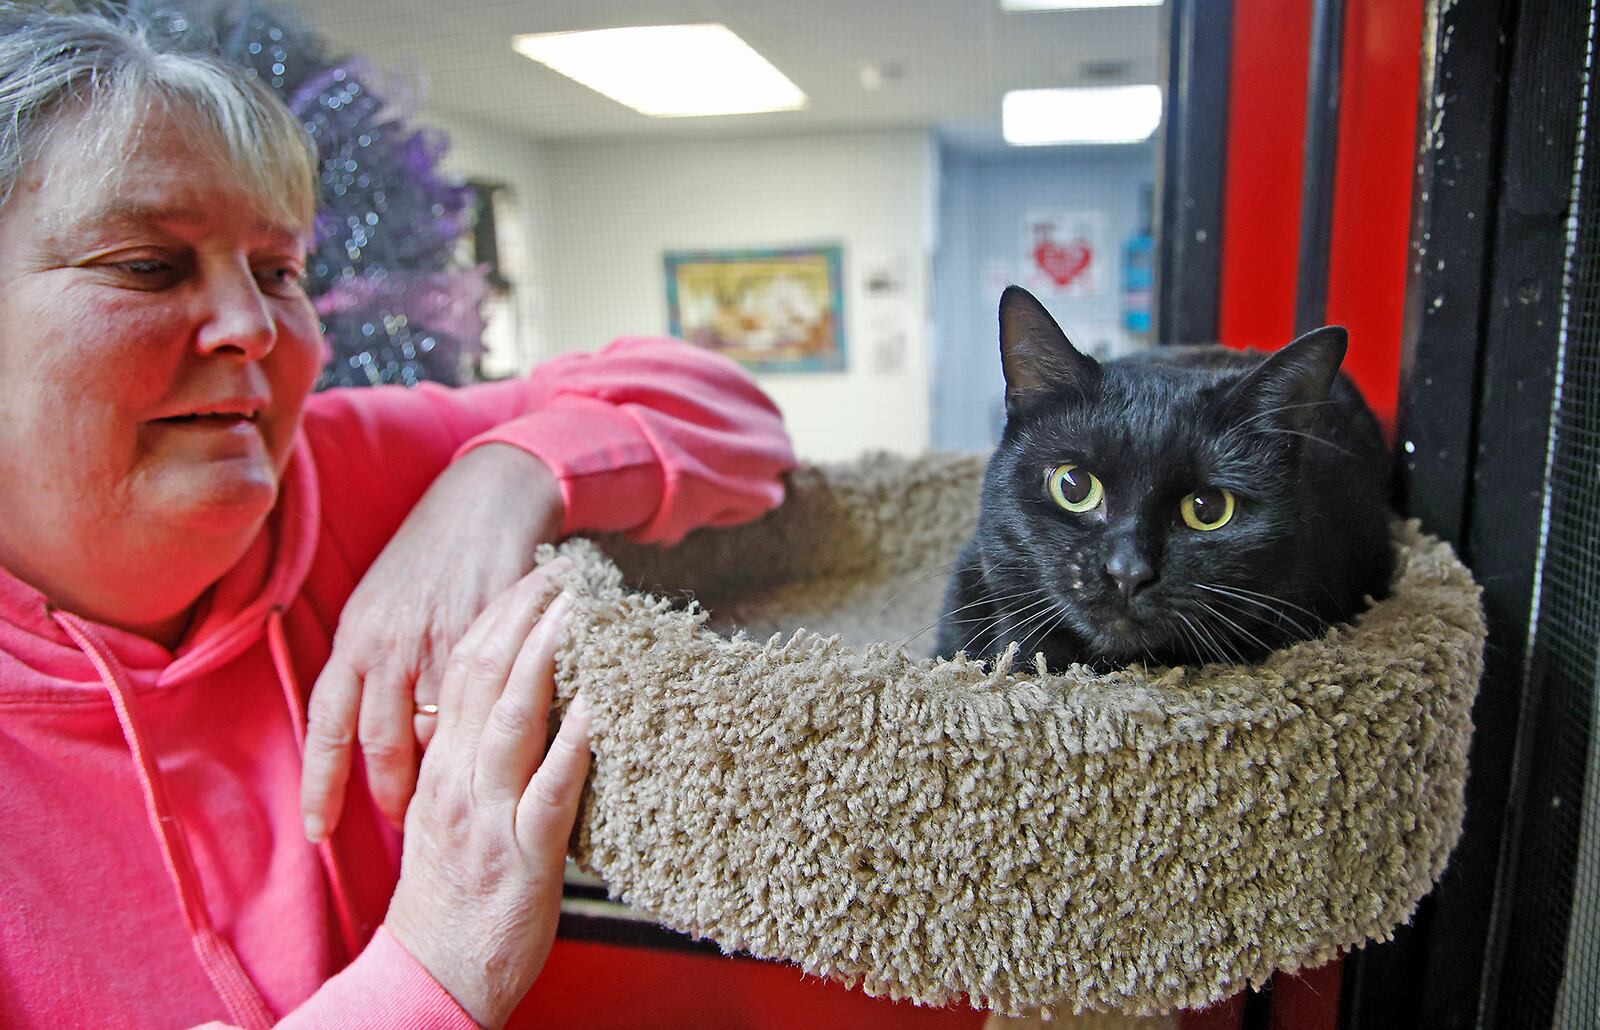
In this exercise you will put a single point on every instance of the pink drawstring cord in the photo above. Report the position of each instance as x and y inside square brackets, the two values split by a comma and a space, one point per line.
[244, 1003]
[278, 644]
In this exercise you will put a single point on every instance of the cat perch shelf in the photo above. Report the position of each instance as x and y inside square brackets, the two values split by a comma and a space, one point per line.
[1139, 841]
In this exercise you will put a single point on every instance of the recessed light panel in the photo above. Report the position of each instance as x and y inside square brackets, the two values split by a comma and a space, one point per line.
[668, 71]
[1102, 114]
[1072, 5]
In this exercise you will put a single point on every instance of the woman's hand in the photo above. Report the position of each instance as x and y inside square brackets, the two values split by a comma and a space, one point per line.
[470, 536]
[486, 835]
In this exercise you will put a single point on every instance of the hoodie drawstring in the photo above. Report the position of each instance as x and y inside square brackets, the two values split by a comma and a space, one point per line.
[244, 1003]
[278, 644]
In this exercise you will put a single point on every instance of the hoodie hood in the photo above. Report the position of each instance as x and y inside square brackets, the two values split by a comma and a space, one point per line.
[230, 616]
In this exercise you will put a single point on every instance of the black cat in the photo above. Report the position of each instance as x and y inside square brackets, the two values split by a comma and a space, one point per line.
[1181, 506]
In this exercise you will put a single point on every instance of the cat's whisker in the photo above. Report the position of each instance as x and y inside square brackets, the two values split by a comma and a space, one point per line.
[1315, 618]
[1149, 659]
[1182, 634]
[1315, 439]
[1223, 643]
[1201, 650]
[913, 581]
[947, 567]
[1206, 649]
[1251, 614]
[1000, 619]
[1237, 628]
[1021, 630]
[1278, 615]
[974, 604]
[990, 600]
[1066, 613]
[1038, 624]
[1235, 650]
[1191, 637]
[1173, 629]
[908, 640]
[1258, 416]
[977, 620]
[1274, 616]
[1053, 617]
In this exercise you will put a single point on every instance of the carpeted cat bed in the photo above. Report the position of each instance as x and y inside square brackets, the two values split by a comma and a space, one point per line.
[782, 777]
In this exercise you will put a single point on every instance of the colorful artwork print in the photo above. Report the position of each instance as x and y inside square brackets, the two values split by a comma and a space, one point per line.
[769, 310]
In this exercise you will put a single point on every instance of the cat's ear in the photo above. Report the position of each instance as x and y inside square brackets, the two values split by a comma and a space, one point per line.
[1036, 355]
[1292, 381]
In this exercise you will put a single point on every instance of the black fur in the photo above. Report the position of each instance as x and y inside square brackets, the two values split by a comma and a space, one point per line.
[1287, 434]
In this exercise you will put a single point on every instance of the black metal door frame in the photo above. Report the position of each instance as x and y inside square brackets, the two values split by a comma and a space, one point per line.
[1497, 117]
[1192, 170]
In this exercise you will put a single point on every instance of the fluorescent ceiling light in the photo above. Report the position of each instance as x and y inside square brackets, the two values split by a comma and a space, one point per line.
[668, 71]
[1100, 114]
[1072, 5]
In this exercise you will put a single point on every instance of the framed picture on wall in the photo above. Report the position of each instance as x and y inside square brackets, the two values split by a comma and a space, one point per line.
[779, 310]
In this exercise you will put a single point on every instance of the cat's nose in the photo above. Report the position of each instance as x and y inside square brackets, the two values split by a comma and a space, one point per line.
[1131, 572]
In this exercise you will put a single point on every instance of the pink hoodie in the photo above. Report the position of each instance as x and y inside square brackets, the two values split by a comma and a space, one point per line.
[154, 869]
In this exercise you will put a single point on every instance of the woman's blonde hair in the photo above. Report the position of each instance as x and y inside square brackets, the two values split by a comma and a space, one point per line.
[106, 70]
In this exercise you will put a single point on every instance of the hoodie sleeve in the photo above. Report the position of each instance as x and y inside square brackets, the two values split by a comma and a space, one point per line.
[383, 989]
[650, 437]
[695, 441]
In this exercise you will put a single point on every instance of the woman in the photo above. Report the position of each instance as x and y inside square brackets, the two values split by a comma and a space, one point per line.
[183, 530]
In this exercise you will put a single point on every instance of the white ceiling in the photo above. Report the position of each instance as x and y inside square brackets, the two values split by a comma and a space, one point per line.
[957, 57]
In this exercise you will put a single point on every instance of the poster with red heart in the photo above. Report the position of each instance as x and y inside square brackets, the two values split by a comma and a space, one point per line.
[1062, 253]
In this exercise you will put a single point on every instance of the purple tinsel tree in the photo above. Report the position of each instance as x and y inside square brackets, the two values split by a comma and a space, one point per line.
[396, 304]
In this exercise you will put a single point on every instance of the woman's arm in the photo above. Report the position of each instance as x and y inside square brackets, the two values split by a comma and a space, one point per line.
[649, 437]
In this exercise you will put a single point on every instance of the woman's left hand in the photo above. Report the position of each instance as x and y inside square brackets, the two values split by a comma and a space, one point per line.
[470, 537]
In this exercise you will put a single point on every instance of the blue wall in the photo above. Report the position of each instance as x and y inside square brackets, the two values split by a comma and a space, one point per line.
[983, 199]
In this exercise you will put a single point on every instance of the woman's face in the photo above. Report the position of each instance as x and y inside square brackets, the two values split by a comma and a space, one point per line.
[156, 346]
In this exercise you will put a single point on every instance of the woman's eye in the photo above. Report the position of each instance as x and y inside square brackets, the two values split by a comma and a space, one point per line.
[1074, 488]
[1208, 509]
[283, 277]
[145, 273]
[148, 268]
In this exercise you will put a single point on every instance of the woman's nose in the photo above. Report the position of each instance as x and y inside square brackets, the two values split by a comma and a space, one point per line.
[236, 316]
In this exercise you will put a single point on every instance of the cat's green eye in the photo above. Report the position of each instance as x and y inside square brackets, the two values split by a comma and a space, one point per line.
[1208, 509]
[1076, 489]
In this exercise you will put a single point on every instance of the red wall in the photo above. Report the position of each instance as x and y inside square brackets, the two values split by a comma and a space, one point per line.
[601, 987]
[1261, 199]
[1380, 75]
[1372, 190]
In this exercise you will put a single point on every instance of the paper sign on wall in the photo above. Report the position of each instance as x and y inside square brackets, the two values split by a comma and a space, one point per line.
[1063, 253]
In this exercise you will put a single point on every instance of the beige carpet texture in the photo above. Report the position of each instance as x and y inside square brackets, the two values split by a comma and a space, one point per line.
[780, 768]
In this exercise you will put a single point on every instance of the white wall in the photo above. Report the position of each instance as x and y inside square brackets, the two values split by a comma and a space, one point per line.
[616, 207]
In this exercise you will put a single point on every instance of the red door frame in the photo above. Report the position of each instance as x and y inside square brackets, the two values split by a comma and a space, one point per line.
[1379, 77]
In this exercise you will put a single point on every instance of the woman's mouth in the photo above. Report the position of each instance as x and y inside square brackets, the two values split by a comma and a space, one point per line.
[227, 413]
[212, 425]
[212, 419]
